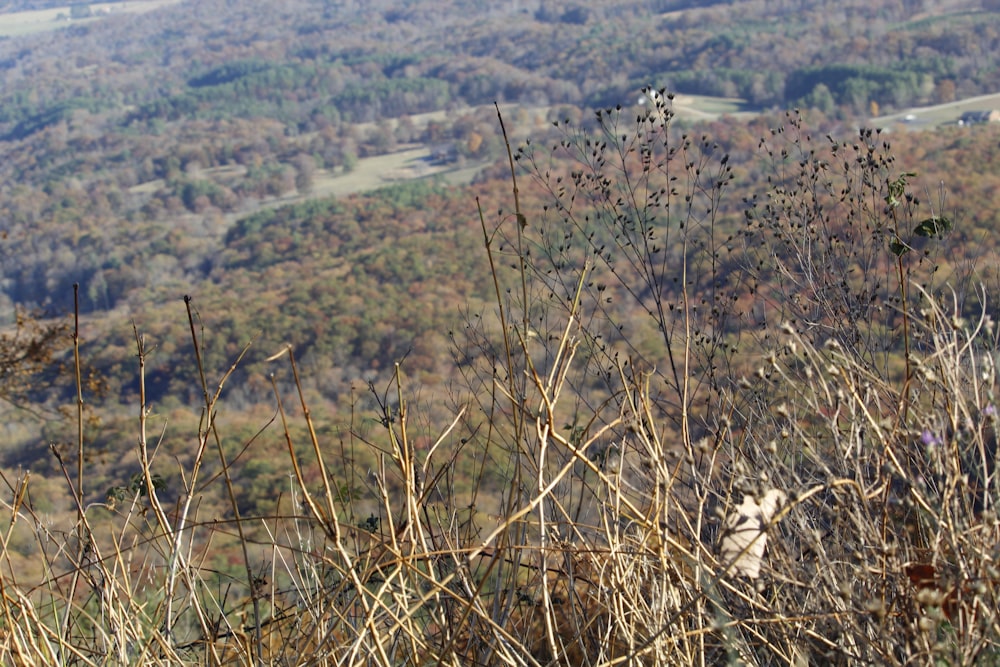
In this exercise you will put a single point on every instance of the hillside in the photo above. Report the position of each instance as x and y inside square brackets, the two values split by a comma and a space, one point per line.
[179, 151]
[305, 262]
[181, 119]
[148, 155]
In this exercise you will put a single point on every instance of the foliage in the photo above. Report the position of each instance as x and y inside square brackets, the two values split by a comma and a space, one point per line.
[576, 499]
[857, 85]
[177, 146]
[35, 120]
[29, 357]
[646, 344]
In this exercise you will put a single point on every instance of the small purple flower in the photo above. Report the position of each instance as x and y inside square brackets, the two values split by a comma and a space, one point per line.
[990, 410]
[929, 439]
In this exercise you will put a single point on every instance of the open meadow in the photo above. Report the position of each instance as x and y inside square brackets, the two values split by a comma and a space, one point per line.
[15, 24]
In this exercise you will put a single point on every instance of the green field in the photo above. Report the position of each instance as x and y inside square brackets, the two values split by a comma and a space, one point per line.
[382, 170]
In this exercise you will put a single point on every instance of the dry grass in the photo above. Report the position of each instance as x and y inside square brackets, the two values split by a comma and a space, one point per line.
[614, 481]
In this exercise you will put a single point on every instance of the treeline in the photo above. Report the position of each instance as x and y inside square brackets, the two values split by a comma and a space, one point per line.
[329, 63]
[828, 86]
[304, 96]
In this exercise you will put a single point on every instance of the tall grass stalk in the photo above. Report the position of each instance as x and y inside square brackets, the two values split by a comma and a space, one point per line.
[658, 362]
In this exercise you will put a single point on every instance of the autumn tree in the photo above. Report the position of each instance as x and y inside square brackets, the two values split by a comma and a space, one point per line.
[28, 353]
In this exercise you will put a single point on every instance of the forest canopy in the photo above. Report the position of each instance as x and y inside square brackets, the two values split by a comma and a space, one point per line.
[490, 257]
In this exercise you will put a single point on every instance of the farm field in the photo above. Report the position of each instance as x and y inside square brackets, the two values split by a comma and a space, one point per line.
[413, 163]
[14, 24]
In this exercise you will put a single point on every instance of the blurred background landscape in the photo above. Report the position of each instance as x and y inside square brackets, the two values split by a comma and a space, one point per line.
[308, 172]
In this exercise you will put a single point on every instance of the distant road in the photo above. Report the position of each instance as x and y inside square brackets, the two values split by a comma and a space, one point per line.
[938, 114]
